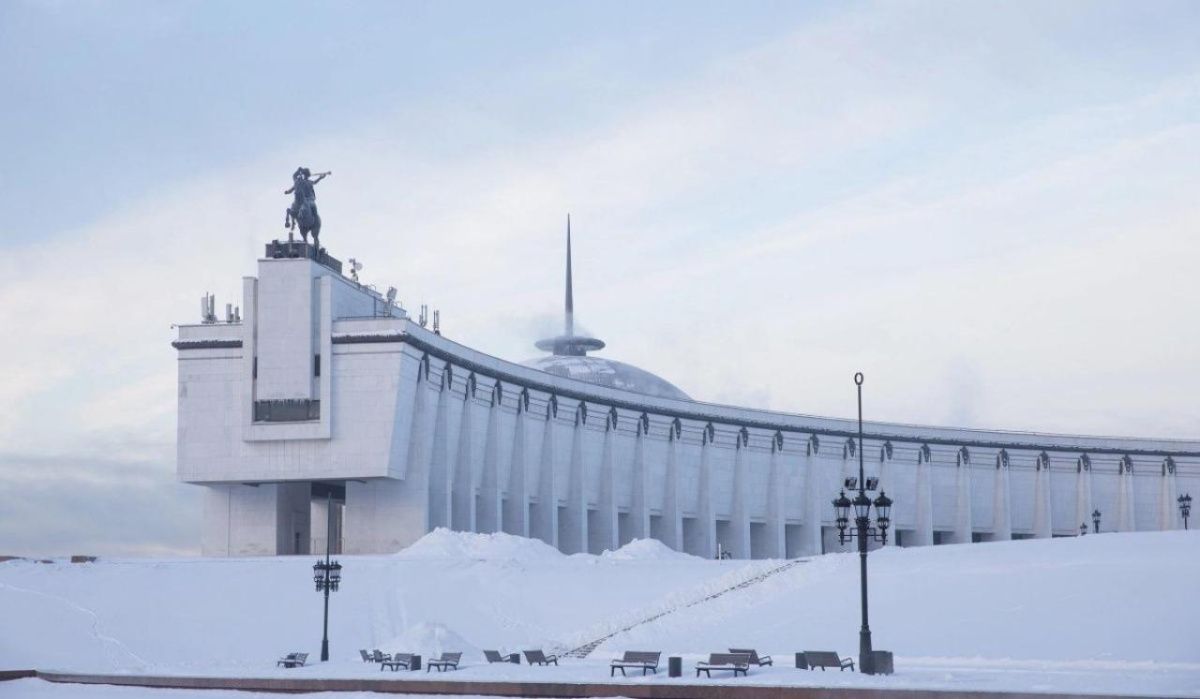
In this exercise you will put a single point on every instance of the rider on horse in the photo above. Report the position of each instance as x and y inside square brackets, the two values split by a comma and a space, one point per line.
[303, 210]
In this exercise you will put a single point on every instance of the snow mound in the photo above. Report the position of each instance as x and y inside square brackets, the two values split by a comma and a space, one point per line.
[429, 639]
[646, 550]
[443, 543]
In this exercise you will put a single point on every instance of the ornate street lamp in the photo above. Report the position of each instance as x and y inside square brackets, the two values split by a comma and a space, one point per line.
[1096, 521]
[327, 575]
[1185, 507]
[863, 531]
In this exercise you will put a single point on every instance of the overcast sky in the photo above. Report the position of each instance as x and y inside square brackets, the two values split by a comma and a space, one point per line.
[990, 209]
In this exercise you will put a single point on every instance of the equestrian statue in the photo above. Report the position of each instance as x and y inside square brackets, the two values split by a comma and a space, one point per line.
[303, 211]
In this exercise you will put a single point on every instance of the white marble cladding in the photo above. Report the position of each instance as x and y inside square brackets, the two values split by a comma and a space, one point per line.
[424, 433]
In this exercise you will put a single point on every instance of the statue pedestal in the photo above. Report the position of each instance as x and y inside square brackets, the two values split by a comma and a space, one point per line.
[281, 249]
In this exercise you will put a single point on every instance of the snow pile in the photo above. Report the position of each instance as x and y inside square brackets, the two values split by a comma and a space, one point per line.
[646, 550]
[443, 543]
[430, 640]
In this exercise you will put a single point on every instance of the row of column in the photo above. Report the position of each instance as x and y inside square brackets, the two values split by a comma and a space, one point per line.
[449, 475]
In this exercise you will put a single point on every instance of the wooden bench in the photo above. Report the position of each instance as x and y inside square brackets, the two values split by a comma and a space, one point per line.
[738, 662]
[646, 660]
[397, 661]
[826, 658]
[755, 658]
[445, 662]
[379, 656]
[292, 660]
[537, 657]
[493, 656]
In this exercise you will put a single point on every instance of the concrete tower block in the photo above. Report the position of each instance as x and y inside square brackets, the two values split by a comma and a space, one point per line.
[491, 504]
[672, 510]
[516, 505]
[814, 500]
[1001, 512]
[776, 485]
[575, 524]
[1043, 520]
[545, 524]
[463, 477]
[605, 535]
[962, 503]
[1083, 490]
[739, 519]
[923, 508]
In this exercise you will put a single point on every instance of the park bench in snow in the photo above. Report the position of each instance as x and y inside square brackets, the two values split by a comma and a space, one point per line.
[738, 662]
[493, 656]
[644, 660]
[379, 656]
[367, 656]
[292, 660]
[448, 660]
[755, 658]
[399, 660]
[537, 657]
[826, 658]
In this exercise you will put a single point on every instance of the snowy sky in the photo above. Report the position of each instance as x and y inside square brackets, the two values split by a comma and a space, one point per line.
[991, 210]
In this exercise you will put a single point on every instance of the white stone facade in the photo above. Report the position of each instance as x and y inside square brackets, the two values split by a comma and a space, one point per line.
[412, 431]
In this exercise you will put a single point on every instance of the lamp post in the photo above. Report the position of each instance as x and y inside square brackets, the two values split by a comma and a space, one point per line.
[327, 575]
[1185, 508]
[1096, 521]
[864, 532]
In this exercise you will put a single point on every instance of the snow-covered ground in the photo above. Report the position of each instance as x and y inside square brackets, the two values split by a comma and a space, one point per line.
[1113, 614]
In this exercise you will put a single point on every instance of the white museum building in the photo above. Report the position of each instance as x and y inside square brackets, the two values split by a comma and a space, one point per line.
[322, 390]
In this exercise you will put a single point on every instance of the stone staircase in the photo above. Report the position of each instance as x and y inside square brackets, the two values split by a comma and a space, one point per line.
[586, 649]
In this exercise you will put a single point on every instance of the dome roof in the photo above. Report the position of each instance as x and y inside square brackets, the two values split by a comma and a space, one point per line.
[607, 372]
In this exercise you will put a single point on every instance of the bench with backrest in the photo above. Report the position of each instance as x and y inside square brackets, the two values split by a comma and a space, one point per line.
[738, 662]
[379, 656]
[826, 658]
[447, 661]
[537, 657]
[397, 661]
[493, 656]
[293, 660]
[367, 656]
[645, 660]
[755, 658]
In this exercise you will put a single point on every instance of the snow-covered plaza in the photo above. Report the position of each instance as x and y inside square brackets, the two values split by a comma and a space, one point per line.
[1108, 614]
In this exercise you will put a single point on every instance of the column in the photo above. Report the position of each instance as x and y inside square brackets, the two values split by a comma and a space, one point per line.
[814, 501]
[516, 507]
[739, 519]
[1126, 517]
[1083, 491]
[923, 508]
[545, 525]
[606, 535]
[776, 484]
[1168, 491]
[575, 516]
[439, 457]
[707, 515]
[639, 511]
[962, 504]
[1001, 512]
[462, 482]
[491, 503]
[672, 511]
[1043, 520]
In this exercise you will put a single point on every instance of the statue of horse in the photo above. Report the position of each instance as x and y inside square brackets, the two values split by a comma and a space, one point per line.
[303, 211]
